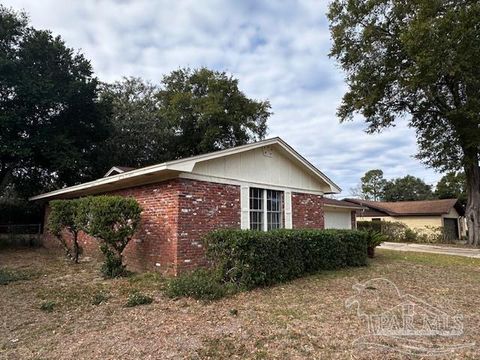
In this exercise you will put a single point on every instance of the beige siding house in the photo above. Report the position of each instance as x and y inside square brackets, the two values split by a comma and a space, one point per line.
[418, 215]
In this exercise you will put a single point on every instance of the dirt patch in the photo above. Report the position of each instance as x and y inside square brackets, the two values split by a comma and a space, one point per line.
[305, 318]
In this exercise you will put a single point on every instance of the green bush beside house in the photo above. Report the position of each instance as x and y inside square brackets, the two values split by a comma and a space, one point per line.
[112, 220]
[396, 231]
[245, 259]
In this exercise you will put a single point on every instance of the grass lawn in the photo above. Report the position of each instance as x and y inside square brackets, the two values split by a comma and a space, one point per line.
[51, 309]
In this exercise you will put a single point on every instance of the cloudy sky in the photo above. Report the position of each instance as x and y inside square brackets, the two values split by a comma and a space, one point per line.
[277, 50]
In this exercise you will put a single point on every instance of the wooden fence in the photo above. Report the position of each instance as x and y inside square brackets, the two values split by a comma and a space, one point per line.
[21, 235]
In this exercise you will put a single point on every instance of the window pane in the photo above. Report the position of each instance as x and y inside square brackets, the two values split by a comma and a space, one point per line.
[274, 209]
[256, 222]
[256, 199]
[256, 209]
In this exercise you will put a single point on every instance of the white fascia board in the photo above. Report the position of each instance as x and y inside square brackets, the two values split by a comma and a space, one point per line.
[334, 187]
[186, 166]
[102, 181]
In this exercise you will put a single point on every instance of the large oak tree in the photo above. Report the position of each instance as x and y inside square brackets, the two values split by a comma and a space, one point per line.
[208, 112]
[416, 59]
[50, 119]
[138, 134]
[190, 112]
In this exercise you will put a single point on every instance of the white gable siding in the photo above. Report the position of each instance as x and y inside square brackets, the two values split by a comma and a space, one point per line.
[336, 219]
[266, 165]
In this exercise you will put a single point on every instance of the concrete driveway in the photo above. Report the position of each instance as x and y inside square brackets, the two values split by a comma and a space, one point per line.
[473, 253]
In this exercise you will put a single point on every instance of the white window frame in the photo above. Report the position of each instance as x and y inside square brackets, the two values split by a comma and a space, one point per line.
[245, 206]
[265, 210]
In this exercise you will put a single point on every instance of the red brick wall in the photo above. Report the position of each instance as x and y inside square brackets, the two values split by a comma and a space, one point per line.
[154, 245]
[203, 207]
[307, 211]
[176, 214]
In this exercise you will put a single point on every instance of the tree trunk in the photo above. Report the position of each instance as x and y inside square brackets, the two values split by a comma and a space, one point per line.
[65, 246]
[5, 178]
[472, 213]
[76, 249]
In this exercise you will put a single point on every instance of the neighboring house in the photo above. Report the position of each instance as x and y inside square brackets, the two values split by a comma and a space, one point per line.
[418, 215]
[115, 170]
[262, 186]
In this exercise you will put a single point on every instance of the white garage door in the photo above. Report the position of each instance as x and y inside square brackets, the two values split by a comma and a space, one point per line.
[338, 220]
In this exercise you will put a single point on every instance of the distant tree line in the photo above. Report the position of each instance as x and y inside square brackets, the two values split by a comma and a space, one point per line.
[60, 125]
[373, 186]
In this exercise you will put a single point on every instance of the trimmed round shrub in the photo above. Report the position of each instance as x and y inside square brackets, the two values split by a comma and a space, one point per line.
[64, 217]
[113, 220]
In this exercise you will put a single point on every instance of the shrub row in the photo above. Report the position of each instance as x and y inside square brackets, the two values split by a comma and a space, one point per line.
[252, 258]
[397, 231]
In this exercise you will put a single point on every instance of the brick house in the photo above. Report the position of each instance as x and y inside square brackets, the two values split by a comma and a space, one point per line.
[262, 186]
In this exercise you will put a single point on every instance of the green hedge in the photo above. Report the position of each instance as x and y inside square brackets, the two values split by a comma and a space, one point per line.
[399, 232]
[253, 258]
[393, 230]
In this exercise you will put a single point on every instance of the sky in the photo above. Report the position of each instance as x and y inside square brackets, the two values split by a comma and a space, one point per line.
[278, 50]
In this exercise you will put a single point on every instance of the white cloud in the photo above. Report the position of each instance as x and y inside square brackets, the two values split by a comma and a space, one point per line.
[278, 51]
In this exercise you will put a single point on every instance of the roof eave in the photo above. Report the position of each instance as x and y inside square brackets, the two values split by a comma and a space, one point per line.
[187, 165]
[335, 189]
[100, 182]
[343, 206]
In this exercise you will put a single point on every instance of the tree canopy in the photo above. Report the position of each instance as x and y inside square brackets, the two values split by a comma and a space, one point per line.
[51, 122]
[138, 135]
[372, 184]
[190, 113]
[408, 188]
[416, 60]
[208, 112]
[60, 126]
[452, 185]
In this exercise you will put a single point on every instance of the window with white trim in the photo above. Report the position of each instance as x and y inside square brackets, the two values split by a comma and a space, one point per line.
[266, 209]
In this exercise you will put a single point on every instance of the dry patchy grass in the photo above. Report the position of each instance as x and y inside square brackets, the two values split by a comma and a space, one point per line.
[305, 318]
